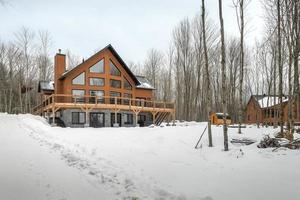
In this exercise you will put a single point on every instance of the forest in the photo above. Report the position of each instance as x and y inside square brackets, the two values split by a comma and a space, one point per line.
[204, 69]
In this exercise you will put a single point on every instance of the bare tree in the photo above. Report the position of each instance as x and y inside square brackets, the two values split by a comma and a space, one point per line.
[25, 42]
[223, 77]
[184, 63]
[280, 70]
[210, 144]
[153, 65]
[240, 7]
[43, 60]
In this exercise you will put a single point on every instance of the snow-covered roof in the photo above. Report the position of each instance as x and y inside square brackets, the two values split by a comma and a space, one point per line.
[144, 83]
[269, 101]
[221, 115]
[46, 85]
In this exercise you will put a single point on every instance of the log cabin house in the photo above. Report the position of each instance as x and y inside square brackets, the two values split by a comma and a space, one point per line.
[100, 92]
[264, 109]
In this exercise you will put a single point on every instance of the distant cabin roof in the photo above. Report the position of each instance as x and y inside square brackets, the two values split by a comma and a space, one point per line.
[46, 85]
[265, 101]
[144, 83]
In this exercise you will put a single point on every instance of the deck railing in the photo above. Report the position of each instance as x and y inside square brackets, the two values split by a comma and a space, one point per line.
[65, 99]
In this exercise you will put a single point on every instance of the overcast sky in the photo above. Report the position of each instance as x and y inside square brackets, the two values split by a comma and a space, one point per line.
[131, 26]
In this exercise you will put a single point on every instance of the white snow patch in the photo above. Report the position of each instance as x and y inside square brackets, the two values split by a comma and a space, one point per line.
[43, 162]
[270, 101]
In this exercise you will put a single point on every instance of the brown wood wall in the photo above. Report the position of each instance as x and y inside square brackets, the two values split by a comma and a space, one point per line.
[65, 86]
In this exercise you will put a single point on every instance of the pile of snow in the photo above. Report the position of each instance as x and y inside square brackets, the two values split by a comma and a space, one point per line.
[43, 162]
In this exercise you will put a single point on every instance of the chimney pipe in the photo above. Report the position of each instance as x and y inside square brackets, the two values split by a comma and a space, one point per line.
[59, 51]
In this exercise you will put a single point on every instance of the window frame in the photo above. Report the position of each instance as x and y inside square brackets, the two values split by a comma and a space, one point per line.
[127, 95]
[112, 97]
[78, 117]
[130, 121]
[90, 78]
[114, 65]
[103, 67]
[81, 99]
[112, 80]
[100, 99]
[77, 77]
[126, 81]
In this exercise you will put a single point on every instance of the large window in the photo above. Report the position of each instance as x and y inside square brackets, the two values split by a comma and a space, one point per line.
[127, 85]
[113, 69]
[78, 96]
[126, 101]
[97, 94]
[79, 80]
[115, 83]
[78, 117]
[97, 81]
[98, 67]
[115, 94]
[128, 118]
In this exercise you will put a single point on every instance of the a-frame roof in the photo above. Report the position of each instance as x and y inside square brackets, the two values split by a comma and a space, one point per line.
[266, 101]
[117, 56]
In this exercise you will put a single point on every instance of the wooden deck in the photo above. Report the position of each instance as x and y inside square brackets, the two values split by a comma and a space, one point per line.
[87, 103]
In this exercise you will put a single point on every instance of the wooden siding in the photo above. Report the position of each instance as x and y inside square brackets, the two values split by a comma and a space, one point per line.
[256, 114]
[65, 85]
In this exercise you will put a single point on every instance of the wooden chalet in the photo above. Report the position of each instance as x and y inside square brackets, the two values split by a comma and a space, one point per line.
[265, 109]
[100, 92]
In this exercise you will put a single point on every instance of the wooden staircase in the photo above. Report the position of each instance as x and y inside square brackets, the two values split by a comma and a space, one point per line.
[160, 117]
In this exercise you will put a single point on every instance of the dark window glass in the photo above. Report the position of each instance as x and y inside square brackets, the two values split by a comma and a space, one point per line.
[115, 83]
[115, 94]
[97, 94]
[79, 80]
[127, 85]
[126, 101]
[78, 117]
[128, 118]
[142, 117]
[98, 67]
[113, 69]
[97, 81]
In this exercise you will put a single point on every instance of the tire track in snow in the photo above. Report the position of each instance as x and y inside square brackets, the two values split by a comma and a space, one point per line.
[107, 174]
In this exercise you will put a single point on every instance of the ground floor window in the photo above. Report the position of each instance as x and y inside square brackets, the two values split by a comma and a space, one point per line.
[141, 120]
[78, 117]
[128, 118]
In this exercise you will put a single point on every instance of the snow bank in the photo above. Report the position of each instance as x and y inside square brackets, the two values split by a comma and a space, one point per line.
[161, 162]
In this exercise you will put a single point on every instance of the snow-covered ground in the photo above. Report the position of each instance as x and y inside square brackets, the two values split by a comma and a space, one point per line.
[38, 161]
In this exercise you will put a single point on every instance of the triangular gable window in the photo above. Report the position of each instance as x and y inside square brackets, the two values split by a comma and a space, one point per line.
[98, 67]
[127, 85]
[79, 80]
[113, 69]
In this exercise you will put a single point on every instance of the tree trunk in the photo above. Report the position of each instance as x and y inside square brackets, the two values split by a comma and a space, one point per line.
[241, 64]
[279, 64]
[223, 77]
[210, 144]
